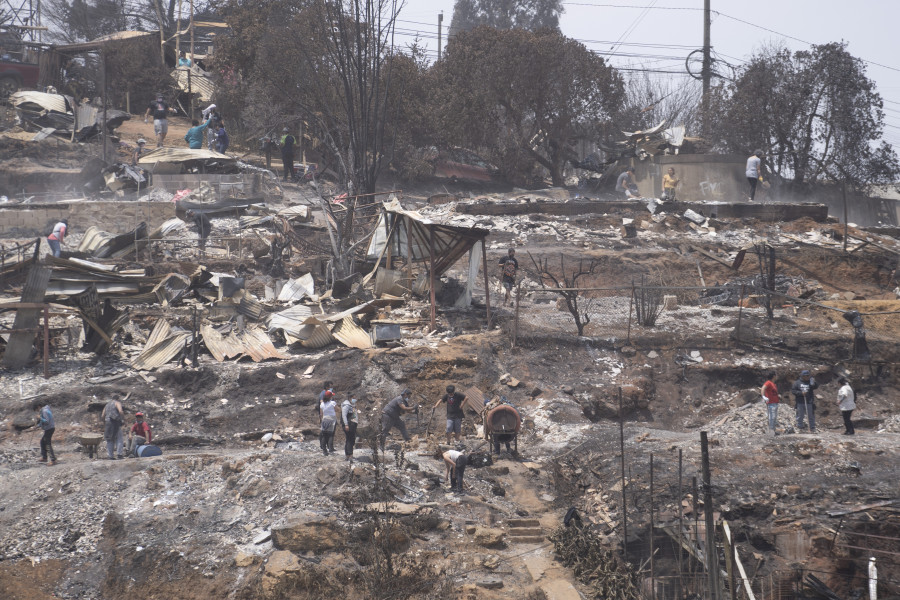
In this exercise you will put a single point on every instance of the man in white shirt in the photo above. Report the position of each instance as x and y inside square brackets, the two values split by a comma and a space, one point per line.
[455, 461]
[847, 404]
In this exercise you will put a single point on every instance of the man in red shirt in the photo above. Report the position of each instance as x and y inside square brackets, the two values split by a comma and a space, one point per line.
[139, 435]
[55, 239]
[770, 395]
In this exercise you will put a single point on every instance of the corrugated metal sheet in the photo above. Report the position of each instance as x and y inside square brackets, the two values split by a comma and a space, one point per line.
[296, 289]
[315, 334]
[290, 320]
[179, 154]
[251, 342]
[250, 308]
[199, 82]
[163, 345]
[350, 334]
[40, 101]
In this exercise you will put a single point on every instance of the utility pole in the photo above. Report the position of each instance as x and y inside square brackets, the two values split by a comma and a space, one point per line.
[178, 34]
[440, 23]
[707, 65]
[190, 90]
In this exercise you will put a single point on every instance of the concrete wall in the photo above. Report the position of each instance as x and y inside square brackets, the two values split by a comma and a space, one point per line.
[862, 210]
[32, 220]
[704, 177]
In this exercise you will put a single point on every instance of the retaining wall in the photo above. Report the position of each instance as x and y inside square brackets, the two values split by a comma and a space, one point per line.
[32, 220]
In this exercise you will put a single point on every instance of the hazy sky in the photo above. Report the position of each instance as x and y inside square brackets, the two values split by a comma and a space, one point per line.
[659, 34]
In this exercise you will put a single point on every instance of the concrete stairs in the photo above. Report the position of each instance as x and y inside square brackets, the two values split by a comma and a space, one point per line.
[524, 531]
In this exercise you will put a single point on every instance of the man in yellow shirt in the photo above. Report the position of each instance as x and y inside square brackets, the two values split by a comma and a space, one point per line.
[670, 182]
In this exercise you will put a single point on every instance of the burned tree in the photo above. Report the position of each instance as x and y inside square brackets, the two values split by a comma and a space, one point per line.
[565, 284]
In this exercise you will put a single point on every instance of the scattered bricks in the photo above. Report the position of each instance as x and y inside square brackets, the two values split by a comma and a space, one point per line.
[490, 537]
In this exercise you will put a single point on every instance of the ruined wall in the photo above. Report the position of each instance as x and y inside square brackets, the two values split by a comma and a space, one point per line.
[31, 220]
[704, 177]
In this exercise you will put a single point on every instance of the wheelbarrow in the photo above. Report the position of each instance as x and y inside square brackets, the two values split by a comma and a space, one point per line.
[91, 443]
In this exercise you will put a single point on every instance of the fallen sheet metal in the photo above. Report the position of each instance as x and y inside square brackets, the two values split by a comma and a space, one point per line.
[350, 334]
[163, 345]
[180, 155]
[290, 320]
[313, 334]
[18, 349]
[251, 342]
[297, 289]
[172, 288]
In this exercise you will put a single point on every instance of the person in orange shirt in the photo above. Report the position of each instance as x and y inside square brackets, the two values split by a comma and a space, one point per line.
[670, 182]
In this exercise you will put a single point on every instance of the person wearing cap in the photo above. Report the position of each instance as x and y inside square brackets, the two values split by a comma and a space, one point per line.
[159, 109]
[138, 152]
[328, 422]
[139, 434]
[805, 400]
[847, 404]
[57, 236]
[454, 401]
[287, 153]
[351, 421]
[391, 413]
[455, 461]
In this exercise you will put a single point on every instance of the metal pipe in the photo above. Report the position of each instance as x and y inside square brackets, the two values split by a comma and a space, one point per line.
[711, 554]
[46, 342]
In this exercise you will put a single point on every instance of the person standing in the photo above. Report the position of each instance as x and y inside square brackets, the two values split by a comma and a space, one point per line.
[625, 184]
[138, 152]
[806, 400]
[670, 182]
[391, 413]
[139, 434]
[56, 238]
[114, 418]
[847, 404]
[221, 140]
[328, 421]
[194, 135]
[212, 113]
[770, 395]
[204, 227]
[509, 266]
[159, 109]
[454, 401]
[754, 171]
[455, 461]
[184, 61]
[287, 153]
[48, 425]
[351, 422]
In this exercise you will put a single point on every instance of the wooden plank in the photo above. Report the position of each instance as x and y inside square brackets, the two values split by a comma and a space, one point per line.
[861, 508]
[712, 257]
[876, 244]
[737, 561]
[18, 350]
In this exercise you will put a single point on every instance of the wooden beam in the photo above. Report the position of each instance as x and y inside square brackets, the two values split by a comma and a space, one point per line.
[737, 561]
[861, 508]
[712, 257]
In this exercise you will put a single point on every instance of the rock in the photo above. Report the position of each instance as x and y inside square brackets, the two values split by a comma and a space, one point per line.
[505, 377]
[326, 475]
[749, 396]
[670, 302]
[792, 490]
[22, 422]
[498, 490]
[242, 559]
[532, 466]
[536, 391]
[653, 354]
[262, 538]
[567, 389]
[266, 438]
[489, 537]
[492, 583]
[627, 351]
[470, 529]
[512, 382]
[281, 566]
[308, 532]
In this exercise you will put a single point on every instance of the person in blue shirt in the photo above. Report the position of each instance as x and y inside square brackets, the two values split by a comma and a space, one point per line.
[221, 140]
[46, 422]
[184, 61]
[194, 135]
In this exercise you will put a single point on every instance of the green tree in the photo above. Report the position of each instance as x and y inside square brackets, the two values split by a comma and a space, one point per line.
[815, 113]
[524, 96]
[506, 14]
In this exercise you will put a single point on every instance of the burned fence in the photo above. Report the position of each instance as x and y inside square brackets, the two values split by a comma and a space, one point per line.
[726, 316]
